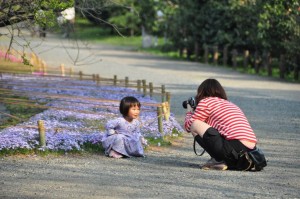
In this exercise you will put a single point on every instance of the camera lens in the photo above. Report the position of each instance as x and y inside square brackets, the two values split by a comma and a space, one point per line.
[184, 104]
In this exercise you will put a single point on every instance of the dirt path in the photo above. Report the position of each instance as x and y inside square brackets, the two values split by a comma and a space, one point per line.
[272, 107]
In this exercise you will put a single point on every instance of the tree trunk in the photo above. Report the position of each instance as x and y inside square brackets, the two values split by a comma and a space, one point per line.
[205, 54]
[225, 55]
[256, 64]
[234, 58]
[296, 68]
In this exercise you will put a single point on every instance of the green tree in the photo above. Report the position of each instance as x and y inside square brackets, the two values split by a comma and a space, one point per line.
[278, 25]
[43, 12]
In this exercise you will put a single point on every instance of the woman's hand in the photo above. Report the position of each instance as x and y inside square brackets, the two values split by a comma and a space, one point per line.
[189, 108]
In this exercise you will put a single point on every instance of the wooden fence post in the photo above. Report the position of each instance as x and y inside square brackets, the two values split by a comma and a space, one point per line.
[216, 55]
[126, 81]
[98, 79]
[234, 58]
[151, 88]
[160, 120]
[115, 80]
[246, 57]
[139, 85]
[62, 69]
[163, 93]
[165, 109]
[168, 96]
[42, 135]
[144, 87]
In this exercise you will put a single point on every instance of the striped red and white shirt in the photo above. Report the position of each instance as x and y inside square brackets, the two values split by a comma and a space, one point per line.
[224, 116]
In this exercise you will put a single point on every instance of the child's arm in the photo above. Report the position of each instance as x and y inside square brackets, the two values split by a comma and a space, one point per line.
[144, 141]
[141, 137]
[111, 126]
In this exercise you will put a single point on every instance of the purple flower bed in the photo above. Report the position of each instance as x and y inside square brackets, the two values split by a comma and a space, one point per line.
[79, 121]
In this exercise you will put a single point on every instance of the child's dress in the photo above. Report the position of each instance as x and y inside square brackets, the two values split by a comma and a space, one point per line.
[123, 137]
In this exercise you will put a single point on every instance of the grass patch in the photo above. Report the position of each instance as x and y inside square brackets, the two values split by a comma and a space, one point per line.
[12, 152]
[18, 111]
[86, 148]
[165, 141]
[93, 148]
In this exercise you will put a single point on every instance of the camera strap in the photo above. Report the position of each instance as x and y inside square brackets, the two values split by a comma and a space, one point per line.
[195, 149]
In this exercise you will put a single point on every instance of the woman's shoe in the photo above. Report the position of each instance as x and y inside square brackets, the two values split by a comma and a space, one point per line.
[212, 164]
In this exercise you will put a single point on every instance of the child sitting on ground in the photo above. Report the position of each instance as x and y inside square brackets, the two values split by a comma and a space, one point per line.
[123, 137]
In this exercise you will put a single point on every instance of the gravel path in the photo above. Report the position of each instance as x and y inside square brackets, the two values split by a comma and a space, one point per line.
[272, 107]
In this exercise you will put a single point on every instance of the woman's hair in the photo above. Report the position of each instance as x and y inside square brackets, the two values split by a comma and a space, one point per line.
[210, 88]
[128, 102]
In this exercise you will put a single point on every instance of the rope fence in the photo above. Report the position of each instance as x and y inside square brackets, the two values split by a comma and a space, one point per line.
[38, 68]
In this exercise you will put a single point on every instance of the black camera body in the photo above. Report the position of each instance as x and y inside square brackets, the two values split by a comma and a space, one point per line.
[191, 101]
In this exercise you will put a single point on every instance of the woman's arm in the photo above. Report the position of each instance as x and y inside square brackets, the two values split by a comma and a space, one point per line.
[201, 113]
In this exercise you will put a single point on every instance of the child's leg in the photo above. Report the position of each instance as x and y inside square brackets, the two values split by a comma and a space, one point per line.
[115, 154]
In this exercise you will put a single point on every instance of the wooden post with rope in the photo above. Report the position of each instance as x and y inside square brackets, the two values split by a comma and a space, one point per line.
[168, 96]
[163, 92]
[115, 80]
[98, 79]
[166, 110]
[62, 69]
[42, 135]
[139, 85]
[160, 119]
[126, 81]
[151, 89]
[144, 87]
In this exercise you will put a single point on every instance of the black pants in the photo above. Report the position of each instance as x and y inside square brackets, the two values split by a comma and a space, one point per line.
[229, 151]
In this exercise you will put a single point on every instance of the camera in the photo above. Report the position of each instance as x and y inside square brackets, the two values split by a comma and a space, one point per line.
[191, 101]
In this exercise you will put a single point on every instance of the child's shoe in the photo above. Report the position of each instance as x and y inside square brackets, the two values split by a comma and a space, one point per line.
[115, 154]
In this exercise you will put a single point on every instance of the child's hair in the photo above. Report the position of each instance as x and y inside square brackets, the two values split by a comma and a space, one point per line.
[210, 88]
[128, 102]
